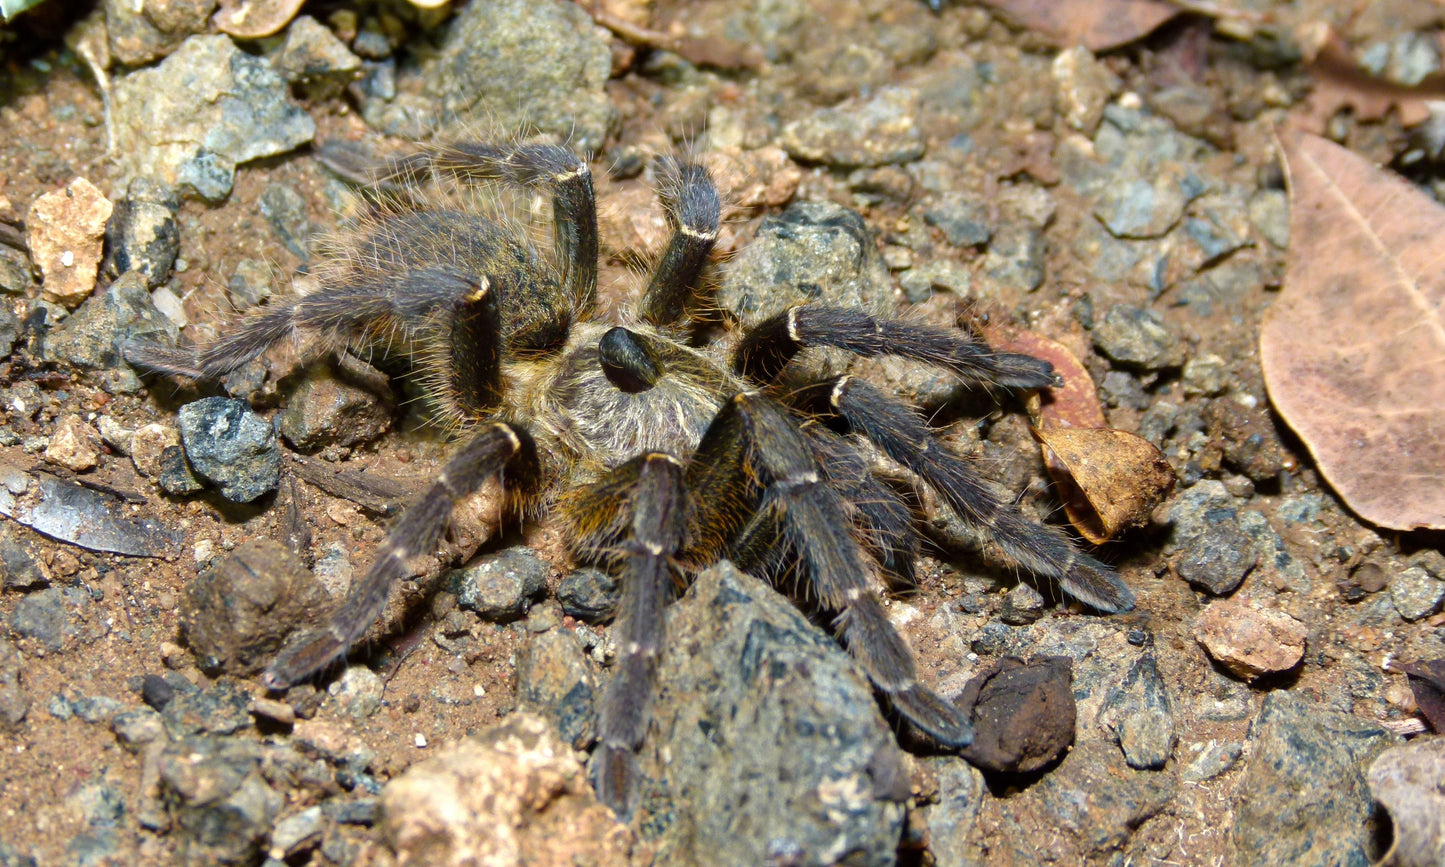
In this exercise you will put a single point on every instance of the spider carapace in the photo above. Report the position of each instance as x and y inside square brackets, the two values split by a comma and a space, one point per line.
[660, 456]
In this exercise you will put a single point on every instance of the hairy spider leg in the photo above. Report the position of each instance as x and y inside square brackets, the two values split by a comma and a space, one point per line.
[768, 347]
[694, 212]
[775, 469]
[1041, 549]
[495, 450]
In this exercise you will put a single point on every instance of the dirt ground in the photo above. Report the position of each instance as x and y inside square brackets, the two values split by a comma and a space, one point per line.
[128, 623]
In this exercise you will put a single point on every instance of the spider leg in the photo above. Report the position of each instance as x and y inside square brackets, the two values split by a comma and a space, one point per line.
[797, 506]
[1041, 549]
[769, 346]
[886, 522]
[495, 449]
[535, 166]
[637, 515]
[690, 197]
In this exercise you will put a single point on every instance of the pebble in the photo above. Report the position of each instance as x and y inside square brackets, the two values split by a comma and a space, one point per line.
[96, 708]
[1218, 559]
[919, 283]
[780, 732]
[1137, 336]
[512, 794]
[285, 211]
[313, 58]
[1022, 605]
[1416, 593]
[238, 613]
[1015, 258]
[533, 64]
[14, 702]
[1302, 798]
[1141, 207]
[1216, 758]
[1250, 641]
[222, 709]
[192, 138]
[140, 35]
[325, 411]
[175, 476]
[555, 681]
[19, 566]
[296, 833]
[1023, 714]
[812, 251]
[220, 805]
[500, 587]
[964, 221]
[45, 616]
[951, 821]
[143, 235]
[1269, 214]
[863, 131]
[137, 728]
[1141, 716]
[95, 335]
[147, 444]
[1206, 374]
[589, 594]
[228, 444]
[65, 233]
[358, 692]
[1084, 86]
[74, 445]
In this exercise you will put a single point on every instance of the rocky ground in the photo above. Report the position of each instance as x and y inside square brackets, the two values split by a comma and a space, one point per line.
[936, 165]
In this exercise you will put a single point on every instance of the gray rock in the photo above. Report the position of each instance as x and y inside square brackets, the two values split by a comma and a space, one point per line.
[206, 109]
[140, 34]
[325, 411]
[15, 276]
[525, 64]
[1137, 336]
[1206, 374]
[142, 234]
[919, 283]
[238, 612]
[175, 475]
[296, 833]
[285, 211]
[875, 131]
[99, 804]
[1022, 605]
[588, 594]
[1141, 715]
[1141, 208]
[1215, 239]
[952, 820]
[1303, 799]
[358, 692]
[781, 734]
[137, 727]
[1214, 759]
[1015, 258]
[1218, 558]
[221, 808]
[1277, 566]
[45, 616]
[1415, 593]
[95, 848]
[14, 703]
[96, 708]
[222, 710]
[95, 335]
[963, 221]
[250, 284]
[1269, 212]
[20, 569]
[813, 251]
[501, 586]
[555, 681]
[231, 446]
[315, 60]
[9, 330]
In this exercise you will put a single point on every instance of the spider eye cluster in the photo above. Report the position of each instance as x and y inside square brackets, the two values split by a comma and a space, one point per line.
[627, 362]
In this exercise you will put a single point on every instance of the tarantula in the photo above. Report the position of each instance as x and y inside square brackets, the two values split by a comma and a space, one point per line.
[660, 457]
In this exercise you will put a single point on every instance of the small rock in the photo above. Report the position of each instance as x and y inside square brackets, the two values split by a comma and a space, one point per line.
[1015, 258]
[140, 34]
[1216, 239]
[44, 616]
[358, 691]
[555, 681]
[74, 445]
[14, 703]
[1142, 207]
[238, 613]
[501, 586]
[1269, 212]
[1218, 559]
[313, 58]
[514, 794]
[138, 727]
[1206, 374]
[1247, 435]
[297, 833]
[951, 820]
[143, 234]
[147, 444]
[1214, 760]
[250, 284]
[65, 232]
[285, 210]
[324, 411]
[590, 595]
[1140, 714]
[1023, 714]
[1303, 799]
[20, 569]
[1250, 641]
[95, 335]
[230, 445]
[963, 221]
[1022, 605]
[1084, 87]
[1137, 336]
[221, 808]
[919, 283]
[175, 476]
[1415, 593]
[96, 708]
[222, 709]
[872, 131]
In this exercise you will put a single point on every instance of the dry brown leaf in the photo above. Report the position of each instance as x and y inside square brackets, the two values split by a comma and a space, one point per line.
[1107, 479]
[253, 19]
[1354, 349]
[1339, 82]
[1098, 25]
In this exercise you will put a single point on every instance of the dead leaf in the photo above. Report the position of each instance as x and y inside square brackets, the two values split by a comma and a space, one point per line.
[1354, 349]
[1340, 82]
[1098, 25]
[1073, 404]
[1427, 682]
[1108, 479]
[253, 19]
[1407, 781]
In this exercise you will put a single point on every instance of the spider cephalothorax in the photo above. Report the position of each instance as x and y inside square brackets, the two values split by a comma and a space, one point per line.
[661, 457]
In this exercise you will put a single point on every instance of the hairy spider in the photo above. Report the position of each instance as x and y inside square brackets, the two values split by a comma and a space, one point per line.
[661, 457]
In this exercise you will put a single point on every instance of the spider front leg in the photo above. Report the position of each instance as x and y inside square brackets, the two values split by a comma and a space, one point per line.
[636, 515]
[1041, 549]
[690, 197]
[497, 451]
[755, 480]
